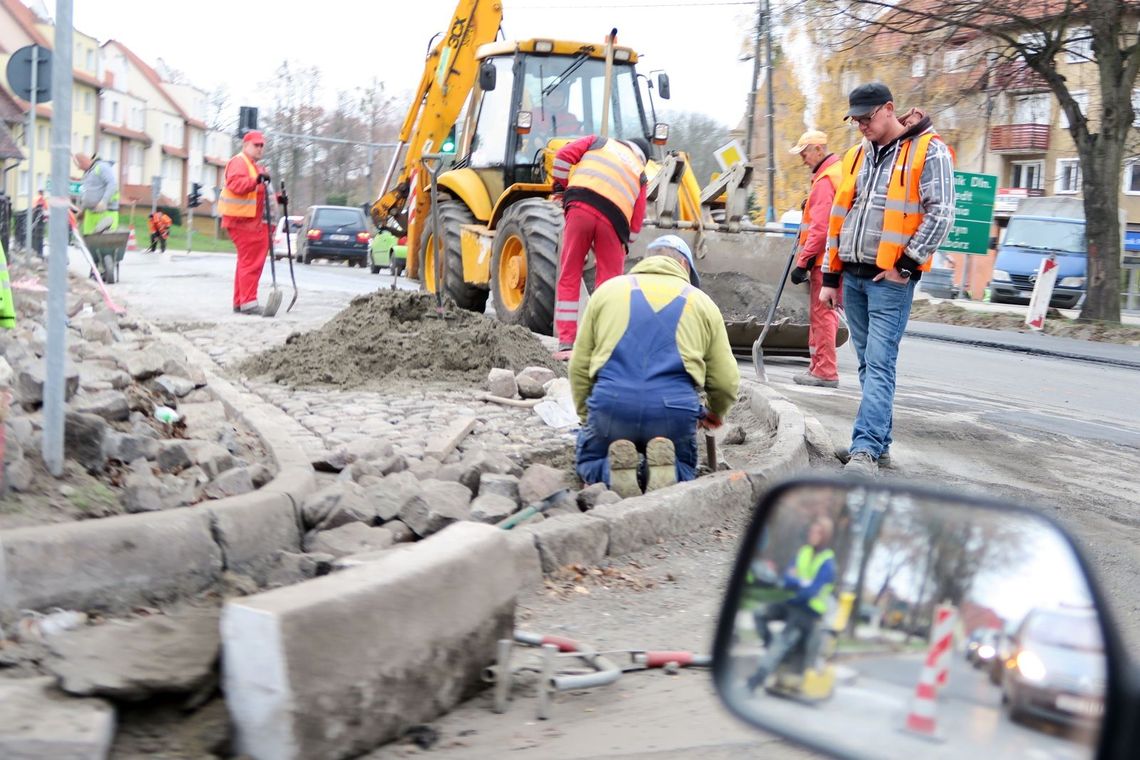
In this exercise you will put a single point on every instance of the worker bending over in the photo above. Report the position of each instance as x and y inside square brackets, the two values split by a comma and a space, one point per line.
[651, 362]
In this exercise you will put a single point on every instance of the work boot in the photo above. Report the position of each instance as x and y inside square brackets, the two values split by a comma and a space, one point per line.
[862, 464]
[624, 459]
[807, 378]
[251, 308]
[842, 454]
[661, 458]
[564, 352]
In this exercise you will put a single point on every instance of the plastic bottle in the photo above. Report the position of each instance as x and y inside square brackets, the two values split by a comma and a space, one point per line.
[166, 415]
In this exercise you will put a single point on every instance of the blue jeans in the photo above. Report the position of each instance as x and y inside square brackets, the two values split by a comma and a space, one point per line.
[614, 416]
[877, 313]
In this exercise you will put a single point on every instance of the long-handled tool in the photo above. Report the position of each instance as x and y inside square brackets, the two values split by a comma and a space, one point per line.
[273, 302]
[288, 243]
[433, 162]
[758, 346]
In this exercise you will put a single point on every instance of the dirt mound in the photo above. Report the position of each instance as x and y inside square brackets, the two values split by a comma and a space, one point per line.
[741, 297]
[1055, 323]
[390, 336]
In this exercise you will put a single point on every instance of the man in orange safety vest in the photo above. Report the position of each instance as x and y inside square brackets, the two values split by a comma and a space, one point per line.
[242, 205]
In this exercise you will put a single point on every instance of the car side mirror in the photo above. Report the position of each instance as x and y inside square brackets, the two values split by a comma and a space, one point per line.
[924, 569]
[663, 85]
[487, 76]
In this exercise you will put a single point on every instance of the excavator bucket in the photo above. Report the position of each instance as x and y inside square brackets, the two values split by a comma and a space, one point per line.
[740, 271]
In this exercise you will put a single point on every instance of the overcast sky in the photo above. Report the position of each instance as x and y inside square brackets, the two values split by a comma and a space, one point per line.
[240, 43]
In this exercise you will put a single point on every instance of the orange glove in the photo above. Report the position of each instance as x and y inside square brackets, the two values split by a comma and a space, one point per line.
[709, 421]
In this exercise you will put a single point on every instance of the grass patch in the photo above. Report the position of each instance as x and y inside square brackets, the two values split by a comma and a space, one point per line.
[204, 240]
[95, 500]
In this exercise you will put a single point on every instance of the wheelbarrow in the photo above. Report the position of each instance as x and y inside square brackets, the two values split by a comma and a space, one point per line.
[108, 249]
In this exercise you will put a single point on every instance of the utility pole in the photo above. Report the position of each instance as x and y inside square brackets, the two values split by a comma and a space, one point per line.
[155, 189]
[755, 80]
[31, 141]
[771, 216]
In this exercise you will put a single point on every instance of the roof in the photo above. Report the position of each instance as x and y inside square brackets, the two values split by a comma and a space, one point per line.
[128, 134]
[215, 160]
[27, 21]
[10, 110]
[152, 76]
[174, 150]
[141, 194]
[9, 148]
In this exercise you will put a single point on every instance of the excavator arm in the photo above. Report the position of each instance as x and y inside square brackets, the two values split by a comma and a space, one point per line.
[449, 75]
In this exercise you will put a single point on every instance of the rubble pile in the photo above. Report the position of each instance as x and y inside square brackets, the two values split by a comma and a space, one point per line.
[391, 336]
[141, 431]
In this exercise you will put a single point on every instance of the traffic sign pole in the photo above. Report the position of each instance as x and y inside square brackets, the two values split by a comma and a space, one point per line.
[56, 350]
[31, 141]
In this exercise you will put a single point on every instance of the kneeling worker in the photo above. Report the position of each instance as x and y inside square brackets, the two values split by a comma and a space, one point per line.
[651, 361]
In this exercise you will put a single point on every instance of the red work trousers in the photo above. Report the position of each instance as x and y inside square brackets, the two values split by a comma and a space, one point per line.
[821, 337]
[585, 228]
[252, 243]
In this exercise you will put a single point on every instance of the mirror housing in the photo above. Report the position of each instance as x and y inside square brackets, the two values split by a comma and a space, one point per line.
[663, 85]
[924, 562]
[488, 75]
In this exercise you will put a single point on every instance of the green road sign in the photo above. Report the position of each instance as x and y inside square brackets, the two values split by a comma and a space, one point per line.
[75, 188]
[973, 213]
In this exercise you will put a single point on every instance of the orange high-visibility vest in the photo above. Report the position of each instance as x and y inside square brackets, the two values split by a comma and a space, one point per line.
[833, 173]
[232, 204]
[903, 213]
[613, 171]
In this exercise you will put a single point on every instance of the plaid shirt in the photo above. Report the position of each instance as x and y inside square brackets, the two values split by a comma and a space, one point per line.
[863, 226]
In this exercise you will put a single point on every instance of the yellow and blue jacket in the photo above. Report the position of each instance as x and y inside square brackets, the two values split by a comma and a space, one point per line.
[702, 339]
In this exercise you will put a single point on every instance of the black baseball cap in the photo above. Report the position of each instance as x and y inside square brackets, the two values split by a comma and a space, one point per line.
[866, 98]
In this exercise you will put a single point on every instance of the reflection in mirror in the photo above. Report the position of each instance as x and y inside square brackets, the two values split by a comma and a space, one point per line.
[878, 622]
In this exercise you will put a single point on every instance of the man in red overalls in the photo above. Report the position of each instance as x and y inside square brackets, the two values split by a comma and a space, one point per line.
[242, 205]
[604, 181]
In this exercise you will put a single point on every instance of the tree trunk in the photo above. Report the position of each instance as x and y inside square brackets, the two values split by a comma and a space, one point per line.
[1101, 168]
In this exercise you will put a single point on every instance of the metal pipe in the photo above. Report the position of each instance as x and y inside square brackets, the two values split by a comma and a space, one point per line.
[538, 639]
[503, 676]
[606, 672]
[545, 691]
[771, 215]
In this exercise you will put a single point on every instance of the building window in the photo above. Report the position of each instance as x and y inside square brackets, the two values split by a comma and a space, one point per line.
[115, 112]
[1078, 45]
[88, 102]
[41, 135]
[1027, 174]
[1136, 108]
[918, 66]
[90, 60]
[954, 60]
[1132, 178]
[86, 143]
[1068, 176]
[23, 183]
[1032, 109]
[1082, 99]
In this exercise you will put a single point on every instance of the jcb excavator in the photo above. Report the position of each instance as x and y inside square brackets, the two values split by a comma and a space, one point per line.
[519, 102]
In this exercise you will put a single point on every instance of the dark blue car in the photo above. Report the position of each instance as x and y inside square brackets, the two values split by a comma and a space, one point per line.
[1031, 238]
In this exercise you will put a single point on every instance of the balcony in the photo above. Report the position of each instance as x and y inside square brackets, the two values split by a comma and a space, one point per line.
[1015, 75]
[1019, 138]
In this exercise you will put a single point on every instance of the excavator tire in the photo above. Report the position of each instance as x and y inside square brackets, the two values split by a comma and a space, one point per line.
[524, 264]
[452, 216]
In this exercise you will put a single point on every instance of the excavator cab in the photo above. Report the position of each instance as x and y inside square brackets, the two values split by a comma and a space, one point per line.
[500, 229]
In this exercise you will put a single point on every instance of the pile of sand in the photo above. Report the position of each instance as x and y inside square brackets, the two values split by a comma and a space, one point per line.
[395, 336]
[741, 297]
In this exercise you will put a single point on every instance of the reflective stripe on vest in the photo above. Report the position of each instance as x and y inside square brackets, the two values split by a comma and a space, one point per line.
[232, 204]
[833, 173]
[612, 171]
[808, 564]
[903, 212]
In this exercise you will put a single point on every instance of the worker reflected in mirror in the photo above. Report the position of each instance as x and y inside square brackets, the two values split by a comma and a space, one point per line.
[809, 580]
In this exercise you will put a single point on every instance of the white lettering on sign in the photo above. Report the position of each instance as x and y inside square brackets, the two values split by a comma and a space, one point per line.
[980, 182]
[956, 245]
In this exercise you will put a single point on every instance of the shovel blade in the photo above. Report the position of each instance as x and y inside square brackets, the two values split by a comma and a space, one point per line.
[272, 304]
[758, 360]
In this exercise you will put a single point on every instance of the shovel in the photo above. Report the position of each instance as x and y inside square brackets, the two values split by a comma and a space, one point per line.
[758, 346]
[273, 302]
[288, 244]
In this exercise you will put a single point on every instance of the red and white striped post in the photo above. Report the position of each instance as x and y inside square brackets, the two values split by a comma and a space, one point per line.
[923, 716]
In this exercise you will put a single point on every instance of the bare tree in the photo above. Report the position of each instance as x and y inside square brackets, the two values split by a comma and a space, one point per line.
[1021, 40]
[218, 109]
[698, 135]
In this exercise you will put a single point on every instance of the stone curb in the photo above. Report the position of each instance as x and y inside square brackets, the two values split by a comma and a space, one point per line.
[143, 558]
[1000, 345]
[639, 522]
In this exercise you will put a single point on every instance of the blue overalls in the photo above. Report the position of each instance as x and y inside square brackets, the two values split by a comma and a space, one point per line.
[642, 392]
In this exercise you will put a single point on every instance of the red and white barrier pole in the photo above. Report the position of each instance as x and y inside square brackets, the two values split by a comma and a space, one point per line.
[923, 716]
[1043, 283]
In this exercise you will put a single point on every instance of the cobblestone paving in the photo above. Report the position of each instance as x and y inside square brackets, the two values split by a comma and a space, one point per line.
[403, 415]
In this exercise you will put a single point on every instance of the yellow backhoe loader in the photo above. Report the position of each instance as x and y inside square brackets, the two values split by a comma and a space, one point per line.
[501, 231]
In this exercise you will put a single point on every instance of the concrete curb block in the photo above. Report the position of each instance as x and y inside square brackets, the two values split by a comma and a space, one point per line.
[334, 666]
[998, 345]
[134, 559]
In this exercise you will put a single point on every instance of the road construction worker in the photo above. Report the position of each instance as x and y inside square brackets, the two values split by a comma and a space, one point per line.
[98, 194]
[894, 207]
[7, 306]
[811, 577]
[825, 174]
[554, 118]
[652, 361]
[159, 225]
[242, 205]
[604, 201]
